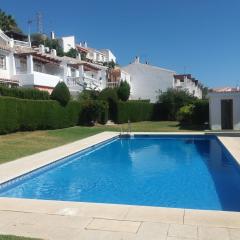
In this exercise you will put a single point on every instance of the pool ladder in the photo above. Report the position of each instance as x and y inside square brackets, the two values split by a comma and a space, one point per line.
[129, 130]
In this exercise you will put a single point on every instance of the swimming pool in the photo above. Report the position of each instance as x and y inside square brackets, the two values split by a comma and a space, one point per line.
[179, 171]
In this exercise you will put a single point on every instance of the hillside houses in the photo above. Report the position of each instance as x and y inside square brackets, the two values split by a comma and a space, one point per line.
[39, 67]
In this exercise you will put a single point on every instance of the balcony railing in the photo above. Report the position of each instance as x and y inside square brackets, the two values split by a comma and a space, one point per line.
[113, 84]
[21, 43]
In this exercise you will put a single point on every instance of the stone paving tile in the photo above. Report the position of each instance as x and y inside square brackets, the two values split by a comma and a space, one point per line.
[213, 233]
[155, 214]
[182, 231]
[234, 233]
[113, 225]
[179, 238]
[7, 218]
[212, 218]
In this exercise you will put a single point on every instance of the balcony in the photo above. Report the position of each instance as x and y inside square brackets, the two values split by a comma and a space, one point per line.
[113, 84]
[38, 79]
[21, 43]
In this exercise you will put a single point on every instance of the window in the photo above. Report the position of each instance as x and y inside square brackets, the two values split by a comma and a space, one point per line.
[2, 62]
[73, 72]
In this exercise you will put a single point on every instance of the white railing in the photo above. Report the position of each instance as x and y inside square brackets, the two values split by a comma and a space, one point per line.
[113, 84]
[21, 43]
[75, 81]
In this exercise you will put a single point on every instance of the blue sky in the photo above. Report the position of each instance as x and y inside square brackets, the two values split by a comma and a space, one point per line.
[200, 36]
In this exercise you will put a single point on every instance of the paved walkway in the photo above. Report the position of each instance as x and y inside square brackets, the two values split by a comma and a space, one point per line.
[86, 221]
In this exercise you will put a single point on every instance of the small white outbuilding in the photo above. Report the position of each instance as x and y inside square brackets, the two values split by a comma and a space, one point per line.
[224, 109]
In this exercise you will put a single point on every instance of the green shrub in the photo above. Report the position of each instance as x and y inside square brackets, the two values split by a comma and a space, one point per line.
[24, 93]
[172, 100]
[135, 111]
[20, 114]
[88, 95]
[201, 112]
[61, 93]
[196, 113]
[110, 96]
[92, 112]
[123, 91]
[185, 114]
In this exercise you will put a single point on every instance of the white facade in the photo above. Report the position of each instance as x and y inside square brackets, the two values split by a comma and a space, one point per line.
[147, 80]
[215, 109]
[186, 82]
[109, 55]
[27, 67]
[67, 43]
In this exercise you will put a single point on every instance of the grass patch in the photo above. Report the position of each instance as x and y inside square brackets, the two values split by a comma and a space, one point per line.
[10, 237]
[16, 145]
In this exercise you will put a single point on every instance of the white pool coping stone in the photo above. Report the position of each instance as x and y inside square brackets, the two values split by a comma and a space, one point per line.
[78, 220]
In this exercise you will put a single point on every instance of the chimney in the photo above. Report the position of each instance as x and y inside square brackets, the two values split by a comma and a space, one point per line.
[80, 44]
[137, 60]
[53, 52]
[85, 44]
[52, 35]
[41, 48]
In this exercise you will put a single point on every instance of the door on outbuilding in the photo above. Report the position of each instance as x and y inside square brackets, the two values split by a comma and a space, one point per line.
[227, 113]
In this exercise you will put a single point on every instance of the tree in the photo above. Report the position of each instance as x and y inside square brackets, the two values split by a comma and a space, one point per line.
[61, 93]
[110, 65]
[8, 23]
[88, 95]
[172, 100]
[72, 53]
[123, 91]
[110, 96]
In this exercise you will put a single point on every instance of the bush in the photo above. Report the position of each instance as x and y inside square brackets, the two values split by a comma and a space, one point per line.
[61, 93]
[185, 114]
[18, 114]
[201, 112]
[172, 100]
[93, 111]
[88, 95]
[24, 93]
[123, 91]
[110, 96]
[196, 113]
[135, 111]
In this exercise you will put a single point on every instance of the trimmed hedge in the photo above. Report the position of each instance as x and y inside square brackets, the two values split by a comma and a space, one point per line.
[24, 93]
[135, 111]
[18, 114]
[93, 111]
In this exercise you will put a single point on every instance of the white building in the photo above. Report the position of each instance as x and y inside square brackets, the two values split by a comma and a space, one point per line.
[224, 108]
[67, 43]
[95, 55]
[148, 81]
[187, 82]
[115, 76]
[20, 65]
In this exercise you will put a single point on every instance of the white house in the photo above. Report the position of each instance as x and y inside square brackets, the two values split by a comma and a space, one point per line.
[95, 55]
[67, 43]
[148, 81]
[224, 108]
[21, 65]
[187, 82]
[116, 75]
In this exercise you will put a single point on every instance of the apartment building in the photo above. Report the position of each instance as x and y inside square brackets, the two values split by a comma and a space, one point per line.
[147, 81]
[21, 65]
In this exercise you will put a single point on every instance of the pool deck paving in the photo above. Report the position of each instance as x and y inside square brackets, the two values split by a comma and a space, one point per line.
[47, 219]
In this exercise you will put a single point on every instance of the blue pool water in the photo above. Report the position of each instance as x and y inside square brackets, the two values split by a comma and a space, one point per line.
[168, 171]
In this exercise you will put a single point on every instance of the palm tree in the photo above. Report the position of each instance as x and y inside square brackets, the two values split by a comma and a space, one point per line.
[7, 22]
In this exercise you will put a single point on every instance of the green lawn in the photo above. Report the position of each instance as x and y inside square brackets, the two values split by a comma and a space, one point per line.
[10, 237]
[16, 145]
